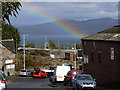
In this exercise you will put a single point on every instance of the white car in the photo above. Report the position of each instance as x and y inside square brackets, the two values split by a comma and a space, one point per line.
[3, 84]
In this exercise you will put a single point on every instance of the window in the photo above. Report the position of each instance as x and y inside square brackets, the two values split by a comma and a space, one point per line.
[81, 72]
[92, 56]
[99, 57]
[43, 72]
[112, 53]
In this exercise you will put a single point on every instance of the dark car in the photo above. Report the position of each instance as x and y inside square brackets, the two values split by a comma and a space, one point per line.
[71, 75]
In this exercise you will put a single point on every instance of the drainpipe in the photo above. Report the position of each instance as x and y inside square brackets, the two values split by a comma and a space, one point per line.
[82, 55]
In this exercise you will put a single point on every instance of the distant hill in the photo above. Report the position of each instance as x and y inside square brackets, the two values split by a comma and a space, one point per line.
[52, 32]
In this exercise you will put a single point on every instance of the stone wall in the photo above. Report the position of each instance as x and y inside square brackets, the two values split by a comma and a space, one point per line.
[6, 54]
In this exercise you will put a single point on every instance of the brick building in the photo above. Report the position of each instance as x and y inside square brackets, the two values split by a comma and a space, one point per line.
[102, 55]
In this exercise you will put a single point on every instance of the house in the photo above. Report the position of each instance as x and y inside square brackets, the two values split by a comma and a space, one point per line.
[102, 55]
[69, 56]
[7, 56]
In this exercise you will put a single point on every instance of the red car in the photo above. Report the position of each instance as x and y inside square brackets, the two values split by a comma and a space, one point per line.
[39, 73]
[71, 75]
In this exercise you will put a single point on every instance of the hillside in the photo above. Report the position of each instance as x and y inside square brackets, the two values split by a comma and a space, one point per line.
[52, 32]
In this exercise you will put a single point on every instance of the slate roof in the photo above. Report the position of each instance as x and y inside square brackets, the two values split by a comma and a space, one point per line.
[9, 44]
[111, 34]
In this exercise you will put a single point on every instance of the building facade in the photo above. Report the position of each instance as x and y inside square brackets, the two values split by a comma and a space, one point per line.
[102, 55]
[7, 56]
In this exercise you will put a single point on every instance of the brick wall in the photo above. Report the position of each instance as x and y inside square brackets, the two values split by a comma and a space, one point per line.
[100, 65]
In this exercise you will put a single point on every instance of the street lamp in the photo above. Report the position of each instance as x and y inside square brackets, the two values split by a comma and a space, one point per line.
[24, 49]
[75, 56]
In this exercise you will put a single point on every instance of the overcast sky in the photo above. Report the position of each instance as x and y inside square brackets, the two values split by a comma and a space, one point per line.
[42, 12]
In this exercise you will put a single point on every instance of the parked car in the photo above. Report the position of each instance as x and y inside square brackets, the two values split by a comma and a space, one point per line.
[3, 84]
[39, 73]
[25, 73]
[71, 75]
[84, 81]
[59, 73]
[1, 72]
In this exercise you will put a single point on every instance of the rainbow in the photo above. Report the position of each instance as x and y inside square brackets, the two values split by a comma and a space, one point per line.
[45, 15]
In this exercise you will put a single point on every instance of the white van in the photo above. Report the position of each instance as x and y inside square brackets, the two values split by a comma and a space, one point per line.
[59, 73]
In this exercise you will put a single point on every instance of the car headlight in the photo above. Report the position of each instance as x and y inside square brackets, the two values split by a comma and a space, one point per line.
[80, 83]
[94, 82]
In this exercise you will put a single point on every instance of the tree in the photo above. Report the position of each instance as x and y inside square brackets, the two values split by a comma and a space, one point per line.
[9, 9]
[52, 44]
[61, 47]
[9, 32]
[30, 44]
[79, 46]
[69, 46]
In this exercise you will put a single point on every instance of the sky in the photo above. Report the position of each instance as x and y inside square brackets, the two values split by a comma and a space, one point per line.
[42, 12]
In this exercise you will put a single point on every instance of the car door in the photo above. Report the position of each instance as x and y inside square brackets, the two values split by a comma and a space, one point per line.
[43, 73]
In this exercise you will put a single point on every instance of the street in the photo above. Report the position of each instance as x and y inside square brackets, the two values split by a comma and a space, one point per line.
[16, 82]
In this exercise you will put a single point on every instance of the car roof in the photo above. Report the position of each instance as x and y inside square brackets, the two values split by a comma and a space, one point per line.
[84, 75]
[77, 70]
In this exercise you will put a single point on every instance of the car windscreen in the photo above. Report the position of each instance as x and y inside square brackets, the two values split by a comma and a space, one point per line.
[37, 72]
[43, 71]
[23, 71]
[85, 78]
[80, 72]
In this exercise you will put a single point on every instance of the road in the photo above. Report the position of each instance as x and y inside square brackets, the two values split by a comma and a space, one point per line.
[16, 82]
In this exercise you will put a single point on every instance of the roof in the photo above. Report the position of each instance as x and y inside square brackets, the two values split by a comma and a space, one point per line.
[69, 52]
[111, 34]
[9, 44]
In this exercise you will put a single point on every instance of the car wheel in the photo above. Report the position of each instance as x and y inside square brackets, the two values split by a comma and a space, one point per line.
[73, 88]
[70, 84]
[55, 82]
[64, 83]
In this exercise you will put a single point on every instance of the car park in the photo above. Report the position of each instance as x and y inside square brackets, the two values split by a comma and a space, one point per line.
[3, 84]
[25, 73]
[84, 81]
[71, 75]
[39, 73]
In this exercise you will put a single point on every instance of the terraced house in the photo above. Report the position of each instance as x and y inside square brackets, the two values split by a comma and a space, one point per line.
[102, 55]
[7, 56]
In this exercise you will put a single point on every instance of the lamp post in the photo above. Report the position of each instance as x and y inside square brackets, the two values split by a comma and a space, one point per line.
[75, 56]
[24, 49]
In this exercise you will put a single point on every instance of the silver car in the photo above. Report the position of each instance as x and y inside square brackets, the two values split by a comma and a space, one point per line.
[25, 73]
[84, 81]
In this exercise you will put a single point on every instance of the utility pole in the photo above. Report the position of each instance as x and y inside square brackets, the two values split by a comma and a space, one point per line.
[24, 49]
[75, 57]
